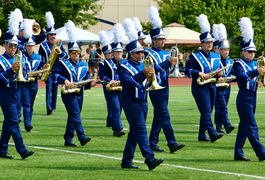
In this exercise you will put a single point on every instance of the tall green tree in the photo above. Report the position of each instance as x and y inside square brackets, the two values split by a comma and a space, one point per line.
[227, 12]
[80, 12]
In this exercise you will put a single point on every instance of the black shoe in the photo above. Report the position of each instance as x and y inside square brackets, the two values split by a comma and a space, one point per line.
[49, 111]
[241, 158]
[216, 137]
[26, 154]
[176, 147]
[262, 157]
[53, 111]
[19, 119]
[28, 128]
[85, 141]
[71, 144]
[157, 149]
[6, 155]
[220, 130]
[155, 163]
[205, 139]
[129, 166]
[109, 125]
[229, 129]
[118, 133]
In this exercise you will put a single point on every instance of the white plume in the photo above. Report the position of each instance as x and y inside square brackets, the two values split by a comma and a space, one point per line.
[137, 23]
[119, 33]
[215, 32]
[20, 16]
[154, 17]
[222, 32]
[246, 28]
[70, 29]
[27, 25]
[204, 23]
[49, 19]
[103, 38]
[130, 30]
[13, 23]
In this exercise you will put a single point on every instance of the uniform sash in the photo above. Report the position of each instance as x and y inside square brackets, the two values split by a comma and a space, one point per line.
[207, 65]
[113, 67]
[251, 83]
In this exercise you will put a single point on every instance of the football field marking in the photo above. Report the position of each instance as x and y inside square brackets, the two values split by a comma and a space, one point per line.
[169, 165]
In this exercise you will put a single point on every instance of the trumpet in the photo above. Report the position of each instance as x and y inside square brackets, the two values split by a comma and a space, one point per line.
[75, 86]
[224, 83]
[114, 86]
[154, 85]
[261, 63]
[18, 58]
[200, 81]
[55, 51]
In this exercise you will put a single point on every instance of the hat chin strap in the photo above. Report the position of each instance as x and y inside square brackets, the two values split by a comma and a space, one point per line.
[157, 45]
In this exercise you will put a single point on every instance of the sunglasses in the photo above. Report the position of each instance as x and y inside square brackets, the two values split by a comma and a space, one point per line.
[139, 52]
[53, 34]
[21, 29]
[74, 52]
[251, 52]
[12, 45]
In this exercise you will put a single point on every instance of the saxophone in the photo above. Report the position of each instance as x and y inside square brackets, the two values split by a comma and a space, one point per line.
[225, 80]
[55, 51]
[76, 86]
[114, 86]
[200, 81]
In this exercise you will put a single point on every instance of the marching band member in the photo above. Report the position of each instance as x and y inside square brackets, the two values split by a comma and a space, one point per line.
[133, 76]
[223, 93]
[45, 51]
[216, 37]
[247, 74]
[159, 98]
[67, 72]
[109, 74]
[199, 64]
[106, 49]
[9, 93]
[141, 36]
[29, 89]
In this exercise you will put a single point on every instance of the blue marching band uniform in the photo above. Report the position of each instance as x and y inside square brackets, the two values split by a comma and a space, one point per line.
[51, 87]
[29, 89]
[222, 98]
[204, 95]
[113, 98]
[74, 72]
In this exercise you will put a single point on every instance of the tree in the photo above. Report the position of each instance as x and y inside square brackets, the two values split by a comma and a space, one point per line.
[227, 12]
[80, 12]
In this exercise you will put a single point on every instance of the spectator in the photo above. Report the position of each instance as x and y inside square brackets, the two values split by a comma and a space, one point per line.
[93, 59]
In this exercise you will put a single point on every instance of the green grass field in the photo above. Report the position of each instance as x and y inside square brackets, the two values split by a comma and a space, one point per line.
[101, 157]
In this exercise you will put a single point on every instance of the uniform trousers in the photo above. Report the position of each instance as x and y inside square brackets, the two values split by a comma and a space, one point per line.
[114, 100]
[136, 113]
[51, 93]
[28, 94]
[159, 99]
[109, 117]
[8, 102]
[73, 103]
[204, 96]
[246, 106]
[221, 101]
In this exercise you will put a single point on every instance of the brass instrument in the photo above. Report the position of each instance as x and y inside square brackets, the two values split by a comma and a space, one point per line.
[154, 85]
[55, 51]
[18, 58]
[261, 63]
[0, 32]
[33, 74]
[36, 30]
[75, 88]
[114, 86]
[200, 81]
[225, 80]
[174, 51]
